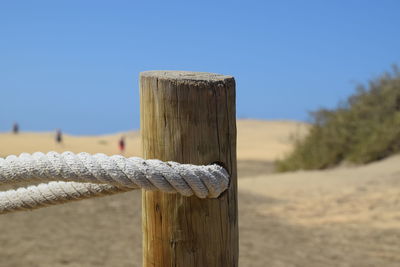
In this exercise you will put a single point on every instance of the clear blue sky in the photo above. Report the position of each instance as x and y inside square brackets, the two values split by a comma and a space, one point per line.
[74, 64]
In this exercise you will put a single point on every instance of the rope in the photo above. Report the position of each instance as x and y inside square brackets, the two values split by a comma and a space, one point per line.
[73, 177]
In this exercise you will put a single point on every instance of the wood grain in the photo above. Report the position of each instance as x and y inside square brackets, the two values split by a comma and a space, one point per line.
[189, 117]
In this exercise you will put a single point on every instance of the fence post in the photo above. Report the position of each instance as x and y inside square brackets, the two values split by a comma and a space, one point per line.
[189, 117]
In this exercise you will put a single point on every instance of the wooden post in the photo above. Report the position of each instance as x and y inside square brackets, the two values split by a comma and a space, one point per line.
[189, 117]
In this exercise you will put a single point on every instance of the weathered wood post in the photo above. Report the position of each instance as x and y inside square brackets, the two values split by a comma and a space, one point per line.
[189, 117]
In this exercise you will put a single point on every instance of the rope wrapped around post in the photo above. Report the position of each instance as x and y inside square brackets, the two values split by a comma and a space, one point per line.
[70, 177]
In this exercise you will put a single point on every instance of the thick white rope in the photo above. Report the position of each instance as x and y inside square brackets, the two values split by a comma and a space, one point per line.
[79, 176]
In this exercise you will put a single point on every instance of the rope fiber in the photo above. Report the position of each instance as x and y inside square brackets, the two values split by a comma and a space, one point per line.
[69, 177]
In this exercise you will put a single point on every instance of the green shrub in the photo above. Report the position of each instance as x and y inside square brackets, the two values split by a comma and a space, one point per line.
[364, 128]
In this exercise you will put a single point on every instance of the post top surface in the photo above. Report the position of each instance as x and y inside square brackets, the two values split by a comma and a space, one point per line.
[185, 75]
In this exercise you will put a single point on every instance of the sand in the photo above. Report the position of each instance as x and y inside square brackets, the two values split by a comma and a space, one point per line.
[347, 216]
[340, 217]
[267, 140]
[31, 142]
[257, 141]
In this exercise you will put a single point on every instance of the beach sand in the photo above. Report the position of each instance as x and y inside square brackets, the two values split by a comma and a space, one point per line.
[347, 216]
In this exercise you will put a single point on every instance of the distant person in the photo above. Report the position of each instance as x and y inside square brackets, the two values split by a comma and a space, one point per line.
[15, 128]
[122, 145]
[58, 136]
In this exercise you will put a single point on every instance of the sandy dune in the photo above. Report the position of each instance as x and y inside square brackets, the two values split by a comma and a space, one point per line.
[367, 195]
[348, 216]
[340, 217]
[44, 142]
[267, 140]
[257, 140]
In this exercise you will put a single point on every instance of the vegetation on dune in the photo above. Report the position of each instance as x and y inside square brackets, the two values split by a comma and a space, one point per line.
[365, 128]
